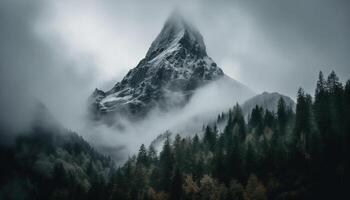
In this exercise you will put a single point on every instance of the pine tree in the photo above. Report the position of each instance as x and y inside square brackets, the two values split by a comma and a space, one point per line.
[269, 119]
[346, 140]
[303, 123]
[321, 107]
[152, 154]
[166, 162]
[282, 116]
[218, 160]
[238, 119]
[250, 159]
[179, 153]
[347, 111]
[195, 144]
[209, 138]
[234, 163]
[142, 158]
[335, 90]
[256, 120]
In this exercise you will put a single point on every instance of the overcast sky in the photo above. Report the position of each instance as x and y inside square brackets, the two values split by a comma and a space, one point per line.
[59, 51]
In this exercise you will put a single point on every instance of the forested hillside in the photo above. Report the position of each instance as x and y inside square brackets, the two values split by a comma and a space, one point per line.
[284, 155]
[52, 164]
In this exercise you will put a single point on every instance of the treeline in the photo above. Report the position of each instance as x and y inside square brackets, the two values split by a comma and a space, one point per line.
[53, 164]
[287, 154]
[301, 154]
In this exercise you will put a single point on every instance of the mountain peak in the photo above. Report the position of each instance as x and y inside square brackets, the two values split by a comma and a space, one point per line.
[174, 68]
[177, 33]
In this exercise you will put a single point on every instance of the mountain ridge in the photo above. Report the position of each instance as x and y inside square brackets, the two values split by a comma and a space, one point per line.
[174, 67]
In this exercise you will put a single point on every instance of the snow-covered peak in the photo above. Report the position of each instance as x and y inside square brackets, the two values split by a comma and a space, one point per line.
[175, 67]
[177, 33]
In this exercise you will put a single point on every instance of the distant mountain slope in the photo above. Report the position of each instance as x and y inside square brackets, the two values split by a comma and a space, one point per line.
[175, 66]
[47, 161]
[267, 101]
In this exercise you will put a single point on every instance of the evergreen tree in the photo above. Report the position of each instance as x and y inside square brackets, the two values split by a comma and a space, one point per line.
[152, 154]
[234, 156]
[238, 119]
[282, 116]
[166, 163]
[303, 121]
[335, 90]
[269, 119]
[209, 138]
[142, 157]
[250, 159]
[321, 107]
[347, 111]
[346, 140]
[195, 144]
[219, 160]
[256, 120]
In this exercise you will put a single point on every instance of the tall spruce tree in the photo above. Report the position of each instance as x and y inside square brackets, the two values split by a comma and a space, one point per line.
[209, 138]
[321, 106]
[269, 119]
[282, 116]
[335, 90]
[303, 123]
[142, 157]
[166, 164]
[238, 119]
[256, 120]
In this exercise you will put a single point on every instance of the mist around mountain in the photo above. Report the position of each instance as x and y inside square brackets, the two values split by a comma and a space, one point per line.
[176, 87]
[175, 67]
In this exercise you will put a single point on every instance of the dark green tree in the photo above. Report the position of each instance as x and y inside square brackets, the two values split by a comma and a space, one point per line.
[256, 121]
[269, 119]
[303, 121]
[282, 116]
[142, 157]
[166, 164]
[209, 138]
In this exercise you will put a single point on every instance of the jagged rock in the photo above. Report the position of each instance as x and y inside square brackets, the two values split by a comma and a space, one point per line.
[175, 66]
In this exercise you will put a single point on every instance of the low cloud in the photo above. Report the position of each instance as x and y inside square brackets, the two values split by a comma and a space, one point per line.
[204, 106]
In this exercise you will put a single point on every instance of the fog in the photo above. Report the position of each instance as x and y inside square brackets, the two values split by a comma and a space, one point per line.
[202, 109]
[57, 52]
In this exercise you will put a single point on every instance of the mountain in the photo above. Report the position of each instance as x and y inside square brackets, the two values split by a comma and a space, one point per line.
[267, 101]
[175, 66]
[47, 161]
